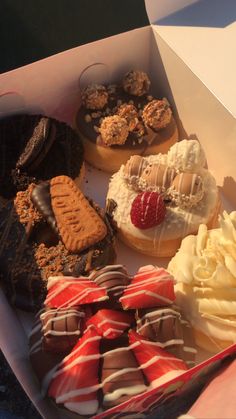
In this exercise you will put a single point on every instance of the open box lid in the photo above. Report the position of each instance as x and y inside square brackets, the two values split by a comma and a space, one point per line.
[202, 33]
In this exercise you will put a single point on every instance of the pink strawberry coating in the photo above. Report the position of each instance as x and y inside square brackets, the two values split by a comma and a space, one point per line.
[150, 287]
[110, 324]
[155, 362]
[75, 383]
[148, 210]
[70, 292]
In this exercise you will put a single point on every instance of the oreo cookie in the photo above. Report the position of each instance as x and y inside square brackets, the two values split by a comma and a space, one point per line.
[35, 148]
[38, 145]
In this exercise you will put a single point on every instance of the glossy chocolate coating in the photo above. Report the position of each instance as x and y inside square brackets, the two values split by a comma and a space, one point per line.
[62, 328]
[42, 361]
[166, 326]
[119, 361]
[42, 201]
[114, 278]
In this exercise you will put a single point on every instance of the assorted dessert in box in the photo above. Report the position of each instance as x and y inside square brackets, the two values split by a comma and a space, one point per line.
[95, 356]
[117, 121]
[156, 201]
[101, 335]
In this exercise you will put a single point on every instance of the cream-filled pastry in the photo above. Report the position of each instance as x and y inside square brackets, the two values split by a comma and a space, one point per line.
[157, 200]
[205, 268]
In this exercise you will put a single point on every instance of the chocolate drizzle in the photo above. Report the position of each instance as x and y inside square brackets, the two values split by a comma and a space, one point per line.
[61, 328]
[120, 377]
[166, 326]
[114, 278]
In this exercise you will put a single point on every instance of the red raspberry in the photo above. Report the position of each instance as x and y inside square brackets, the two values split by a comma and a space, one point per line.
[148, 210]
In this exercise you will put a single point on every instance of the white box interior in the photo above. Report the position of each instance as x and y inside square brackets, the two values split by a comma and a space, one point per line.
[51, 86]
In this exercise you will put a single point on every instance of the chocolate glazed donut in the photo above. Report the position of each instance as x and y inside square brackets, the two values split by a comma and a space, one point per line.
[32, 249]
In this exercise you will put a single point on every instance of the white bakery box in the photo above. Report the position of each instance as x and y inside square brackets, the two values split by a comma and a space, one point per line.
[187, 50]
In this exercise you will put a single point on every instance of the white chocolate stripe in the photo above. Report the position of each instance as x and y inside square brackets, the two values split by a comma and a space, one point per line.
[171, 342]
[112, 330]
[155, 321]
[55, 319]
[152, 281]
[87, 390]
[154, 275]
[167, 343]
[115, 274]
[109, 321]
[190, 349]
[80, 360]
[130, 391]
[125, 348]
[149, 293]
[52, 280]
[83, 408]
[76, 298]
[67, 312]
[147, 316]
[72, 354]
[108, 268]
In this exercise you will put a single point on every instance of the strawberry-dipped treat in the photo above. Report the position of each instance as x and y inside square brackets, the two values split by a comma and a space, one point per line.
[110, 324]
[150, 287]
[158, 365]
[75, 382]
[148, 210]
[64, 292]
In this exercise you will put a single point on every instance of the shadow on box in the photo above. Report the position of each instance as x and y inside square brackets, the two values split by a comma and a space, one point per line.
[210, 13]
